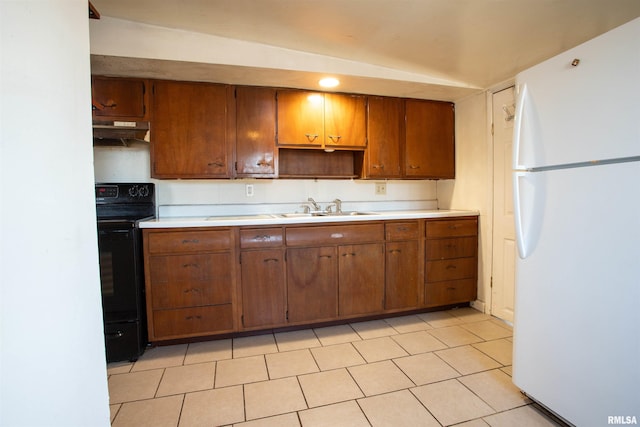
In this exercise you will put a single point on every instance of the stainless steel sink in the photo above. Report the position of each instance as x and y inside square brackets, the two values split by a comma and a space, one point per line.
[323, 214]
[238, 217]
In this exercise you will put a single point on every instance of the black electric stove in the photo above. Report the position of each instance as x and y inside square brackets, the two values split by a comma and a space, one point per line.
[119, 208]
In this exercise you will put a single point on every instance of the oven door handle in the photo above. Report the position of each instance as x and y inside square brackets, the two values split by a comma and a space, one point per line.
[114, 335]
[107, 232]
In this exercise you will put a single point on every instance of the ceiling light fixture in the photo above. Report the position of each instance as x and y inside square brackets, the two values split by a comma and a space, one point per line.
[329, 82]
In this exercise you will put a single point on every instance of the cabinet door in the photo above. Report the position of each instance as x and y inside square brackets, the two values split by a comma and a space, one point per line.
[189, 136]
[385, 133]
[190, 280]
[345, 121]
[312, 285]
[119, 98]
[300, 118]
[429, 145]
[263, 288]
[402, 282]
[255, 132]
[361, 278]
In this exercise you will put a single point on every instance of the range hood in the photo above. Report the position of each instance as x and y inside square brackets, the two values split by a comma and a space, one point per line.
[119, 133]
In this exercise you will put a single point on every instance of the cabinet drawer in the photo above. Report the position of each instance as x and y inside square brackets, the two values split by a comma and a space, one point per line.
[339, 234]
[190, 280]
[402, 230]
[458, 247]
[451, 269]
[450, 292]
[189, 241]
[452, 228]
[190, 321]
[260, 238]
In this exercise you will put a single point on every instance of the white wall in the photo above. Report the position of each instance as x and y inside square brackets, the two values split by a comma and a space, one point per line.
[472, 188]
[120, 164]
[52, 362]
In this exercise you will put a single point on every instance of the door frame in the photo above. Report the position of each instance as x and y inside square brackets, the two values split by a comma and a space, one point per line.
[489, 99]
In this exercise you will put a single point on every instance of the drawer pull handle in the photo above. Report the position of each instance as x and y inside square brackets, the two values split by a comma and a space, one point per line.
[335, 138]
[349, 254]
[216, 164]
[184, 242]
[271, 259]
[414, 166]
[378, 166]
[402, 228]
[324, 256]
[395, 251]
[193, 317]
[337, 235]
[191, 264]
[450, 246]
[451, 267]
[194, 290]
[451, 289]
[264, 238]
[311, 136]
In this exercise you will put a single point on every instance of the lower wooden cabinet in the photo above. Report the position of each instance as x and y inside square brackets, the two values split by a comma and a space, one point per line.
[403, 265]
[211, 281]
[451, 261]
[189, 282]
[312, 286]
[360, 279]
[262, 278]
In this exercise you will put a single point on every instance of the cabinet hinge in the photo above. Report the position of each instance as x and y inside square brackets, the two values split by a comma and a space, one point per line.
[242, 319]
[240, 259]
[286, 315]
[491, 283]
[235, 166]
[491, 129]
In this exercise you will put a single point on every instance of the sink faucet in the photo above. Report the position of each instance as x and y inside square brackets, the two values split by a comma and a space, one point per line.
[338, 204]
[315, 205]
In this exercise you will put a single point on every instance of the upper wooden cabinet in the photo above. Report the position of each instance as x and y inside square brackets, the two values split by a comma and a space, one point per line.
[429, 144]
[115, 98]
[256, 154]
[386, 132]
[321, 120]
[193, 130]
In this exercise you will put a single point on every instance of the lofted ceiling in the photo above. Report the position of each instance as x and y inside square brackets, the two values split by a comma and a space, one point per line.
[469, 45]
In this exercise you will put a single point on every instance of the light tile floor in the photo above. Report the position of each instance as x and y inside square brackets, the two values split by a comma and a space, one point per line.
[433, 369]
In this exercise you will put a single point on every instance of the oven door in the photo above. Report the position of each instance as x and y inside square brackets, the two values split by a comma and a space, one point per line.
[120, 270]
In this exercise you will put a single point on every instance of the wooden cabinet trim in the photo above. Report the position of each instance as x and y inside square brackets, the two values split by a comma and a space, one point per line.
[334, 234]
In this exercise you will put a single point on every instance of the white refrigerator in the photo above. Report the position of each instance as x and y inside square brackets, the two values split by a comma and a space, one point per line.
[577, 209]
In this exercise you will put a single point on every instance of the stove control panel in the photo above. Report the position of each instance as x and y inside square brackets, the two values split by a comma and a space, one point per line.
[125, 193]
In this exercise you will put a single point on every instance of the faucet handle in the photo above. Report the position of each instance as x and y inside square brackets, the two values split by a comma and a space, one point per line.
[338, 204]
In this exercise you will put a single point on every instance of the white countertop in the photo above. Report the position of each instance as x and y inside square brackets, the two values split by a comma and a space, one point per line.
[280, 219]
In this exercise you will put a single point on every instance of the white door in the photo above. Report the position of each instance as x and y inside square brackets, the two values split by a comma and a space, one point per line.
[504, 244]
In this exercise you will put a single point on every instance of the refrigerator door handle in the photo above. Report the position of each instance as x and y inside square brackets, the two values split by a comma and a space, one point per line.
[517, 131]
[529, 200]
[517, 214]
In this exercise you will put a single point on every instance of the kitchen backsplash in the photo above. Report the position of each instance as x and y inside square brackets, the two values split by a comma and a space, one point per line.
[131, 164]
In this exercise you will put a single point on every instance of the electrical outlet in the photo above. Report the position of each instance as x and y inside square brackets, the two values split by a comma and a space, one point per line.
[381, 188]
[248, 190]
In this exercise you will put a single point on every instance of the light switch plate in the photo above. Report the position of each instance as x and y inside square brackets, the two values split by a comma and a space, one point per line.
[248, 190]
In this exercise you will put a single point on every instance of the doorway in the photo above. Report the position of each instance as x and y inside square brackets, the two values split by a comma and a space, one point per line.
[504, 245]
